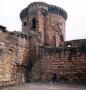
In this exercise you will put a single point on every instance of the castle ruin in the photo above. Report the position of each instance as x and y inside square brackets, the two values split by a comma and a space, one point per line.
[40, 49]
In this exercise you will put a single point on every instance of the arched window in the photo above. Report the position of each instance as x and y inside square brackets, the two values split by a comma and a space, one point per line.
[33, 23]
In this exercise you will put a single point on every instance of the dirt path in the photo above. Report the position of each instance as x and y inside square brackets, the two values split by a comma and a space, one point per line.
[42, 86]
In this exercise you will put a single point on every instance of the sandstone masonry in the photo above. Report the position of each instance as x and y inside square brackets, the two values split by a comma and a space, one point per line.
[40, 49]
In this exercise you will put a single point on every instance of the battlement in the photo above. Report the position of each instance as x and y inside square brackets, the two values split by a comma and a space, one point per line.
[40, 5]
[37, 4]
[57, 10]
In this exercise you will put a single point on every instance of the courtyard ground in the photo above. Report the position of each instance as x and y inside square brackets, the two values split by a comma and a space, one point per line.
[46, 86]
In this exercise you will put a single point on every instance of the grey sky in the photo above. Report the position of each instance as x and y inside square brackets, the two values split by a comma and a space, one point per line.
[75, 25]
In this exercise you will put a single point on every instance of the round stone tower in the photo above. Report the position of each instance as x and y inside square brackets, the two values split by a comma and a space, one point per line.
[48, 20]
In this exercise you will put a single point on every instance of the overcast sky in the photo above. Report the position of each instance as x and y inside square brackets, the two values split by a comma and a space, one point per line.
[75, 24]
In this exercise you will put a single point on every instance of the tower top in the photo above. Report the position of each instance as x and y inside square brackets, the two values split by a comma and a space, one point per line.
[50, 8]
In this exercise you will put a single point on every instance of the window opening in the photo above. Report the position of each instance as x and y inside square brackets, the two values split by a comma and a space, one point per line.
[25, 23]
[33, 23]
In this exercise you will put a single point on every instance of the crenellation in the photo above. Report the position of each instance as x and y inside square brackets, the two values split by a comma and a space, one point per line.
[50, 8]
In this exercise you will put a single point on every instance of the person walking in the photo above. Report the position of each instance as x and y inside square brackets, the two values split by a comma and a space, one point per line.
[54, 78]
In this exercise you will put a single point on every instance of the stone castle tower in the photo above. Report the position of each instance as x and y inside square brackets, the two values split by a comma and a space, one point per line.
[46, 21]
[39, 50]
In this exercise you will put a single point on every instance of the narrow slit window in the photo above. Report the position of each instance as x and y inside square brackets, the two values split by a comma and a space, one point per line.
[33, 23]
[25, 23]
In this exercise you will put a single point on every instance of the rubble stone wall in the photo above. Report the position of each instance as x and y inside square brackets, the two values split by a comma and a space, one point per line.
[13, 51]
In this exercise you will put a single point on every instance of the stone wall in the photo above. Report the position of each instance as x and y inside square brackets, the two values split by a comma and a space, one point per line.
[68, 63]
[33, 53]
[14, 52]
[54, 28]
[76, 43]
[17, 50]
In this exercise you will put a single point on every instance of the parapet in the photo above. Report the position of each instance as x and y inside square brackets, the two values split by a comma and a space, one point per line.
[57, 10]
[50, 8]
[23, 35]
[18, 34]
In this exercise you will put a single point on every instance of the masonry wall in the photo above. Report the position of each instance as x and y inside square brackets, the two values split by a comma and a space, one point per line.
[68, 63]
[54, 27]
[14, 53]
[51, 26]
